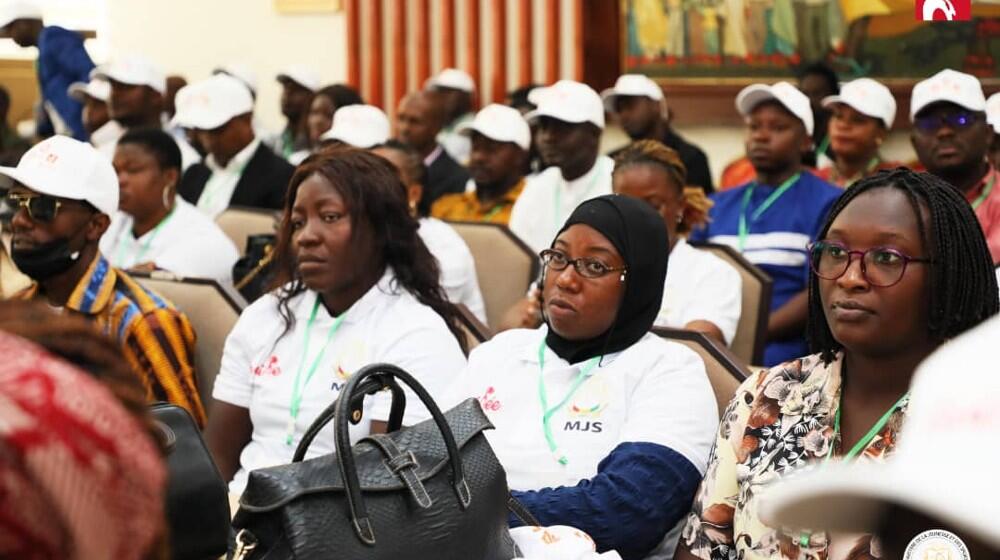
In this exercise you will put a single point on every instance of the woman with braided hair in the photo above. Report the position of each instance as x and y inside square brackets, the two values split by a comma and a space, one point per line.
[702, 292]
[899, 267]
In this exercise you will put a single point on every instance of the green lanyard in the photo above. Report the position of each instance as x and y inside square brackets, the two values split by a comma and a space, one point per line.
[744, 230]
[590, 186]
[547, 412]
[145, 246]
[296, 402]
[986, 191]
[496, 210]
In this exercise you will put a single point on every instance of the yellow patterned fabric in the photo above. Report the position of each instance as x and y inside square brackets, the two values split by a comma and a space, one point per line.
[157, 338]
[465, 207]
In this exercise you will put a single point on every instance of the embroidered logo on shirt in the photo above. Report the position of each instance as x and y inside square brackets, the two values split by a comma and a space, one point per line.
[353, 358]
[269, 367]
[489, 402]
[587, 407]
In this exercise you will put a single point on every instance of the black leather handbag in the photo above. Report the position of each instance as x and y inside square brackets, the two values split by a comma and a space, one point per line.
[434, 490]
[197, 497]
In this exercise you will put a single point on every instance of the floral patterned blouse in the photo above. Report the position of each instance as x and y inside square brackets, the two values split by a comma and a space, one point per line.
[780, 420]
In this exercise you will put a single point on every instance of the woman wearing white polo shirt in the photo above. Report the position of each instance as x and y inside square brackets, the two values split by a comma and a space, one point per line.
[356, 287]
[600, 424]
[154, 228]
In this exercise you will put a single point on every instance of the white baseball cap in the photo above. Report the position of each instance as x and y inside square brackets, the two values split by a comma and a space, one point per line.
[783, 92]
[944, 464]
[951, 86]
[500, 123]
[96, 88]
[67, 168]
[12, 10]
[451, 78]
[135, 70]
[867, 97]
[211, 103]
[558, 542]
[635, 85]
[240, 71]
[361, 126]
[993, 111]
[302, 75]
[567, 101]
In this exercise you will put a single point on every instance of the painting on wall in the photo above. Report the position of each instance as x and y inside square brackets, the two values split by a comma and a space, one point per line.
[770, 38]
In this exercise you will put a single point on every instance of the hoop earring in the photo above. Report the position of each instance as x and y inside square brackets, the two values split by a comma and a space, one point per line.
[167, 197]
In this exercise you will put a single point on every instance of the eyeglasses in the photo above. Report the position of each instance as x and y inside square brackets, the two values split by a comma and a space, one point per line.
[585, 266]
[40, 207]
[880, 266]
[958, 120]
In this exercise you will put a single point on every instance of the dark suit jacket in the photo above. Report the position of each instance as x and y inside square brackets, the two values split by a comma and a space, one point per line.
[444, 176]
[262, 184]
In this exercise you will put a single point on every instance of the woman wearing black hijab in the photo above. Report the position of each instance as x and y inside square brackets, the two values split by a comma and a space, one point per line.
[600, 424]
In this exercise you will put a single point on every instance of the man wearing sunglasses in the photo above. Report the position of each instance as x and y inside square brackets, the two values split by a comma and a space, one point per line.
[64, 192]
[952, 139]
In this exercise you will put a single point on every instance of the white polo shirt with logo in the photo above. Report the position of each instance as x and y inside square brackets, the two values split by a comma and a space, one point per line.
[655, 391]
[259, 366]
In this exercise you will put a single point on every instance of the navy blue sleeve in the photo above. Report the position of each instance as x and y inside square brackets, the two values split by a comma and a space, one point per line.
[65, 61]
[640, 492]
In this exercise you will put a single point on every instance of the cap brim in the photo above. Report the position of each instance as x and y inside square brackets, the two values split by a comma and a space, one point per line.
[286, 78]
[753, 96]
[78, 91]
[829, 100]
[42, 187]
[533, 117]
[914, 110]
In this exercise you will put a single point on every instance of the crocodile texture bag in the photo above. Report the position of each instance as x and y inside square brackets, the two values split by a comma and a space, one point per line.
[432, 490]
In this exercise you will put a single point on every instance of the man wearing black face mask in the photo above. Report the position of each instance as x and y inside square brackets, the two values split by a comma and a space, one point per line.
[64, 191]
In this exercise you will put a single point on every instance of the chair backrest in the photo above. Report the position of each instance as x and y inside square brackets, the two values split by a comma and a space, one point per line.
[212, 309]
[725, 370]
[475, 331]
[751, 331]
[238, 223]
[505, 265]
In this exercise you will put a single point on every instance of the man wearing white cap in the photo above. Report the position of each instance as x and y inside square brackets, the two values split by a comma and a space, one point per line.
[419, 119]
[942, 478]
[62, 60]
[64, 194]
[570, 119]
[500, 142]
[361, 126]
[239, 170]
[456, 88]
[102, 131]
[952, 139]
[642, 111]
[298, 85]
[772, 219]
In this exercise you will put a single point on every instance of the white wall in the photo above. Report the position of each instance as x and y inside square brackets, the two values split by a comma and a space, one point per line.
[191, 37]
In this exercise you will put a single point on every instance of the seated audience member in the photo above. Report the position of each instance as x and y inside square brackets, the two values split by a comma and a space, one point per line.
[456, 89]
[419, 119]
[324, 106]
[773, 218]
[518, 99]
[239, 170]
[702, 292]
[899, 268]
[818, 81]
[359, 126]
[600, 424]
[65, 192]
[454, 259]
[952, 139]
[80, 475]
[154, 228]
[642, 111]
[500, 143]
[993, 118]
[298, 84]
[102, 131]
[570, 118]
[246, 74]
[137, 90]
[862, 114]
[356, 287]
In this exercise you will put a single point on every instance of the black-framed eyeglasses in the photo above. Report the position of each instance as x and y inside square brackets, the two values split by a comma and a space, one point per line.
[957, 120]
[585, 266]
[40, 207]
[880, 266]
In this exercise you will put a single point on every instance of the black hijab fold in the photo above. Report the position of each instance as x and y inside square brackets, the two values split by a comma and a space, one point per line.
[640, 236]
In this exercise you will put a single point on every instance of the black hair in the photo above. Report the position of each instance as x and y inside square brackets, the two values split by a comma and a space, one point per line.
[417, 170]
[518, 98]
[823, 70]
[341, 95]
[160, 144]
[375, 198]
[963, 285]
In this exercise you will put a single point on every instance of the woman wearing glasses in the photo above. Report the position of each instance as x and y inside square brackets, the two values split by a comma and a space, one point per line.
[599, 424]
[899, 267]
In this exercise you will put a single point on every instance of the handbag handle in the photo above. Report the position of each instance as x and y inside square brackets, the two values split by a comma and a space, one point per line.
[385, 375]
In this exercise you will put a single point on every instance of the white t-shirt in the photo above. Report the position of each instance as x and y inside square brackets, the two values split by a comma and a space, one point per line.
[655, 391]
[458, 268]
[259, 366]
[222, 182]
[700, 287]
[186, 242]
[548, 200]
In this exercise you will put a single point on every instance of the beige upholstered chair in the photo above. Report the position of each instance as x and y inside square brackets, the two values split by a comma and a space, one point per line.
[725, 370]
[751, 332]
[238, 223]
[212, 309]
[475, 331]
[505, 266]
